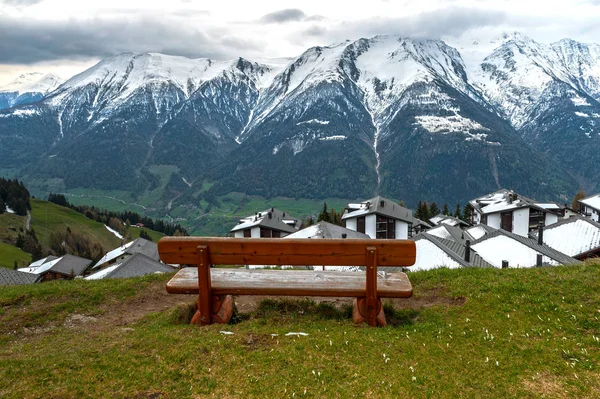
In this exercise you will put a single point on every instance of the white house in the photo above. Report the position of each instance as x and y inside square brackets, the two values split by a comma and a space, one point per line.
[379, 218]
[271, 223]
[509, 211]
[590, 207]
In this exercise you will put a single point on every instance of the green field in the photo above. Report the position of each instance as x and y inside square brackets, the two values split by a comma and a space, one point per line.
[10, 254]
[472, 333]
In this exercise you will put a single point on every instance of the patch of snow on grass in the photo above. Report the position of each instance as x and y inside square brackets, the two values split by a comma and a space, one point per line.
[9, 209]
[116, 233]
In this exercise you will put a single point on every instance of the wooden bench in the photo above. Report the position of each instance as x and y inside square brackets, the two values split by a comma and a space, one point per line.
[215, 286]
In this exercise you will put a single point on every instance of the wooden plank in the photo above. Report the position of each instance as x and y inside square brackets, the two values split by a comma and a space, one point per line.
[371, 286]
[290, 282]
[296, 252]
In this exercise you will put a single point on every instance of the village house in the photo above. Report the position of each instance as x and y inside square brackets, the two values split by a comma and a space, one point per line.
[65, 267]
[590, 207]
[133, 266]
[511, 212]
[449, 220]
[502, 246]
[434, 252]
[578, 237]
[379, 218]
[139, 245]
[271, 223]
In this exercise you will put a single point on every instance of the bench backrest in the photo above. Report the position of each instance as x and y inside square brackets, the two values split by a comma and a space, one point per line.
[296, 252]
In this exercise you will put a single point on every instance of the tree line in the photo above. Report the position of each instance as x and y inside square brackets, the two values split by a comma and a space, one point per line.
[15, 196]
[116, 220]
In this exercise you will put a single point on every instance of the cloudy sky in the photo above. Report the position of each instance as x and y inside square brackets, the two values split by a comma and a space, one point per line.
[65, 37]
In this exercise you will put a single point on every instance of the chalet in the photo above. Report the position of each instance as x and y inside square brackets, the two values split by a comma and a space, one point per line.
[137, 246]
[65, 267]
[503, 246]
[136, 265]
[511, 212]
[434, 252]
[271, 223]
[326, 230]
[590, 207]
[418, 226]
[379, 218]
[16, 277]
[578, 237]
[449, 220]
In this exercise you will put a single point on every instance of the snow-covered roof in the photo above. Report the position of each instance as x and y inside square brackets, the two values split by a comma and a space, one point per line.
[448, 232]
[271, 218]
[574, 236]
[139, 245]
[115, 253]
[430, 256]
[67, 264]
[505, 200]
[519, 251]
[327, 230]
[380, 206]
[476, 232]
[40, 262]
[592, 201]
[135, 265]
[443, 252]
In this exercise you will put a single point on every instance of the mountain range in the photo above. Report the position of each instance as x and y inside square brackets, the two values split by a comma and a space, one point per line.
[389, 115]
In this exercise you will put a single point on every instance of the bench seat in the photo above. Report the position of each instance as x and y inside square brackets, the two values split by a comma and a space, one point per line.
[290, 283]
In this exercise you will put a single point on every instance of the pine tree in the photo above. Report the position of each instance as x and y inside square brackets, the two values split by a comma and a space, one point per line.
[457, 213]
[575, 205]
[467, 213]
[324, 215]
[418, 213]
[433, 210]
[446, 211]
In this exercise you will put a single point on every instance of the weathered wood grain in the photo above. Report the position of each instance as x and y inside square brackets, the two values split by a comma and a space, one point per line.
[290, 282]
[296, 252]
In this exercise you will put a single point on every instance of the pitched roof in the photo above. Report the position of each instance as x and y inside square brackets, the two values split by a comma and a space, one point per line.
[453, 250]
[505, 200]
[135, 265]
[593, 201]
[40, 262]
[574, 236]
[447, 219]
[326, 230]
[15, 277]
[66, 265]
[448, 232]
[476, 232]
[139, 245]
[380, 206]
[271, 218]
[522, 251]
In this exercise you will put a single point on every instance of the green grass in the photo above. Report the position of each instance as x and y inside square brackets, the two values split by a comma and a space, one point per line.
[473, 333]
[47, 217]
[10, 225]
[9, 254]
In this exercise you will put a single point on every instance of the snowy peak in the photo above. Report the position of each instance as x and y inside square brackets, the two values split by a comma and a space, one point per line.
[35, 82]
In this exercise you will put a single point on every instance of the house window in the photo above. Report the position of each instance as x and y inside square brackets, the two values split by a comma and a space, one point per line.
[265, 233]
[247, 233]
[483, 219]
[275, 233]
[360, 224]
[386, 227]
[535, 218]
[411, 232]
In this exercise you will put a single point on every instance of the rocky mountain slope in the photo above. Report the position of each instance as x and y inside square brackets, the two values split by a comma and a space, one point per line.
[390, 115]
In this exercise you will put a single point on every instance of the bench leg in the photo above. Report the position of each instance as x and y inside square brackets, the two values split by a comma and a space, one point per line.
[222, 310]
[359, 312]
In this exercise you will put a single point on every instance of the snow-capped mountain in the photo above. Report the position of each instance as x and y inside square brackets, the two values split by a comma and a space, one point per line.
[28, 88]
[389, 115]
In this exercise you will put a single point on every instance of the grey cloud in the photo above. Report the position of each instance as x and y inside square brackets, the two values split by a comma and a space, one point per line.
[20, 2]
[25, 42]
[433, 24]
[289, 15]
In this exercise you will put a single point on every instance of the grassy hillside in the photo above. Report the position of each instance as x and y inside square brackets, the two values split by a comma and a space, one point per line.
[527, 333]
[47, 217]
[10, 254]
